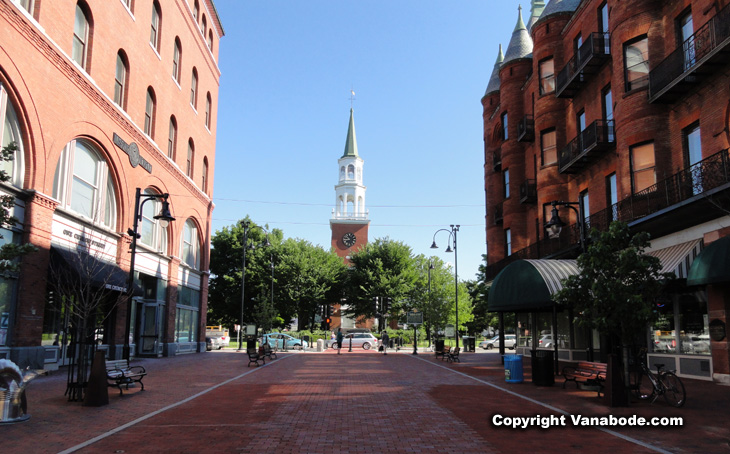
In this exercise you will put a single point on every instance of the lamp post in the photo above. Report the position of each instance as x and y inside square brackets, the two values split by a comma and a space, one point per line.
[164, 217]
[429, 337]
[246, 227]
[452, 236]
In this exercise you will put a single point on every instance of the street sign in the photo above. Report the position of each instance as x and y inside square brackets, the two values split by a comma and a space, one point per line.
[449, 331]
[238, 327]
[251, 330]
[414, 318]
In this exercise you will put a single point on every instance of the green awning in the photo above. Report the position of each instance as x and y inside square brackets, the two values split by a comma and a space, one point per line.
[712, 266]
[528, 285]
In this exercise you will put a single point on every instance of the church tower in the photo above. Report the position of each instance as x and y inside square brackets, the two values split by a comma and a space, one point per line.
[349, 223]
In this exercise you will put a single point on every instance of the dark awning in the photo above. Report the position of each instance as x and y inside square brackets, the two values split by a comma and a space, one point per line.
[528, 285]
[712, 266]
[80, 265]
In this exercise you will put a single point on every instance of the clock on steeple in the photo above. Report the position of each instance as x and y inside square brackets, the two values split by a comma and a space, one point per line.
[349, 223]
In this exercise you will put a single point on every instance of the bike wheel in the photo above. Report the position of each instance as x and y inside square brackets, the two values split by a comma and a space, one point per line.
[674, 392]
[642, 386]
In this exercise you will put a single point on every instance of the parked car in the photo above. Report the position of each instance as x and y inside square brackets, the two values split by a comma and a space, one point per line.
[665, 344]
[509, 342]
[363, 340]
[277, 340]
[221, 333]
[546, 341]
[212, 343]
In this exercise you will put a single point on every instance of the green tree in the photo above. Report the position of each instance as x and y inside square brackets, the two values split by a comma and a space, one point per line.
[10, 252]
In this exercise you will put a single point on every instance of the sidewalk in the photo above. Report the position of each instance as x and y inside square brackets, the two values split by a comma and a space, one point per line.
[361, 401]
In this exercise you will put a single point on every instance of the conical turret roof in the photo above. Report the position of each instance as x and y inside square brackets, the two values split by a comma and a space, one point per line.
[559, 6]
[493, 84]
[520, 45]
[535, 12]
[351, 142]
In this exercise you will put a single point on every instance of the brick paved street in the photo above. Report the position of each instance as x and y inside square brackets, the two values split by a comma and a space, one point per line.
[355, 402]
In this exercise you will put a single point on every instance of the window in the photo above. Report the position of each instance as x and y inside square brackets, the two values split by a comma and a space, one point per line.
[190, 245]
[636, 63]
[580, 124]
[585, 205]
[149, 113]
[687, 39]
[28, 6]
[204, 25]
[194, 90]
[189, 160]
[151, 233]
[208, 103]
[83, 183]
[643, 173]
[504, 126]
[603, 27]
[507, 242]
[10, 133]
[612, 195]
[210, 39]
[342, 173]
[506, 183]
[607, 111]
[693, 155]
[547, 76]
[155, 26]
[177, 54]
[79, 51]
[120, 81]
[187, 315]
[196, 8]
[172, 139]
[351, 172]
[548, 147]
[205, 175]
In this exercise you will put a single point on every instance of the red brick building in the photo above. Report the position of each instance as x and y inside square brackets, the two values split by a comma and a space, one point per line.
[105, 97]
[622, 109]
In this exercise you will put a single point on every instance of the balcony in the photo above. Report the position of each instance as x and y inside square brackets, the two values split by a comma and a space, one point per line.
[685, 199]
[526, 129]
[591, 55]
[696, 59]
[528, 192]
[498, 218]
[497, 160]
[589, 146]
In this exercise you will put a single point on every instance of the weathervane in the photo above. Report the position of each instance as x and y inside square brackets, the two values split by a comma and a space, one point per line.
[352, 96]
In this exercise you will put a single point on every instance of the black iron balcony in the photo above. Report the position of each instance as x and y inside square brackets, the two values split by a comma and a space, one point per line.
[591, 55]
[528, 191]
[497, 160]
[526, 129]
[589, 146]
[696, 59]
[692, 196]
[498, 218]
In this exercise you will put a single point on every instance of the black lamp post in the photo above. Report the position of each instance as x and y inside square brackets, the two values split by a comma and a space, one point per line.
[452, 236]
[163, 218]
[246, 227]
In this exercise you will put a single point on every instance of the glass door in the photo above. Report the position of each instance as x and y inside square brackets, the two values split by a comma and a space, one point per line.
[149, 323]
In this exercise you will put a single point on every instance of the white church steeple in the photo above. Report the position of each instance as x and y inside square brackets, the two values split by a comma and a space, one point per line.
[350, 191]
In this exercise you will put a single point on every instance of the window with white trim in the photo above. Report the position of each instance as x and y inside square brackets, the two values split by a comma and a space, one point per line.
[190, 245]
[79, 51]
[155, 26]
[10, 133]
[120, 81]
[176, 56]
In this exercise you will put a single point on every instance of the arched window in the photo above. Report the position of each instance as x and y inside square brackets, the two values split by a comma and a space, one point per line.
[176, 57]
[194, 89]
[80, 48]
[351, 172]
[208, 103]
[196, 8]
[155, 26]
[10, 133]
[342, 173]
[151, 233]
[190, 245]
[210, 39]
[189, 160]
[204, 25]
[172, 138]
[120, 80]
[83, 183]
[149, 113]
[205, 174]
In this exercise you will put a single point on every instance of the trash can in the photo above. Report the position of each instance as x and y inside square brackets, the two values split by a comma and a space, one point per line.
[513, 369]
[542, 367]
[439, 345]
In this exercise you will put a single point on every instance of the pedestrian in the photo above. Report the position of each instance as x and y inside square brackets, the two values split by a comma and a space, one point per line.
[339, 340]
[385, 340]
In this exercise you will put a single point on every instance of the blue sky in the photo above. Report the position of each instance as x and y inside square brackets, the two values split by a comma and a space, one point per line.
[418, 69]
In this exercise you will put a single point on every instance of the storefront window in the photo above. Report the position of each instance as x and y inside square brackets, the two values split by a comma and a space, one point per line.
[188, 310]
[546, 337]
[694, 334]
[563, 330]
[663, 334]
[524, 330]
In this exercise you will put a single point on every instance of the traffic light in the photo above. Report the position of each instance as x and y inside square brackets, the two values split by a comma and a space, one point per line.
[386, 304]
[327, 323]
[376, 309]
[330, 310]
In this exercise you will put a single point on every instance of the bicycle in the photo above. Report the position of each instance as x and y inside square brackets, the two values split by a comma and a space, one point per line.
[649, 385]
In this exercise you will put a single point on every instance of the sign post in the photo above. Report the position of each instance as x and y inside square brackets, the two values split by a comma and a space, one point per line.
[414, 318]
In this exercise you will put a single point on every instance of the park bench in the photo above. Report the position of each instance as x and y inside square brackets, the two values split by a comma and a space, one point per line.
[453, 355]
[269, 352]
[254, 356]
[444, 354]
[588, 373]
[119, 372]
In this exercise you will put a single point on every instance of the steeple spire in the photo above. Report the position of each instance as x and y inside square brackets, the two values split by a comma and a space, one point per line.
[351, 142]
[520, 45]
[493, 84]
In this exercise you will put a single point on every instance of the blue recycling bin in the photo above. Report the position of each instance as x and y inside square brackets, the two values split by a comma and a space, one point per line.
[513, 369]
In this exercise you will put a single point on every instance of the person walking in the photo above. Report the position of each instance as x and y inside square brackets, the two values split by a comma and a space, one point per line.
[385, 340]
[339, 340]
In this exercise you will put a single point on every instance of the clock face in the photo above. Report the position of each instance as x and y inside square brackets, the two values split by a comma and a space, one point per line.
[349, 239]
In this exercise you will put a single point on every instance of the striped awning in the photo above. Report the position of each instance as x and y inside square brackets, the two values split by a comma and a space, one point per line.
[678, 259]
[528, 285]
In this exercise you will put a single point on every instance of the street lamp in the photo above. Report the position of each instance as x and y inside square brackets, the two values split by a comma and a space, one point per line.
[452, 235]
[246, 227]
[163, 218]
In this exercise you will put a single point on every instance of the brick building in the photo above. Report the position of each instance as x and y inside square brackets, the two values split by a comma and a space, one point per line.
[106, 98]
[622, 109]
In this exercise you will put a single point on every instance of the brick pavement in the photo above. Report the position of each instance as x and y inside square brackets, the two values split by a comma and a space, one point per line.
[360, 401]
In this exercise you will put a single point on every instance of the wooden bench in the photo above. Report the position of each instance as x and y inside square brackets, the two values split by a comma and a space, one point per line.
[119, 372]
[592, 374]
[453, 355]
[444, 354]
[269, 352]
[254, 356]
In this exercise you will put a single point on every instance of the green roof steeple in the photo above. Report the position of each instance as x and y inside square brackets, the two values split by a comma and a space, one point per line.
[351, 142]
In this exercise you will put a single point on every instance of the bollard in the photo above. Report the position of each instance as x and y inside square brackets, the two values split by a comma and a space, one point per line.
[320, 345]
